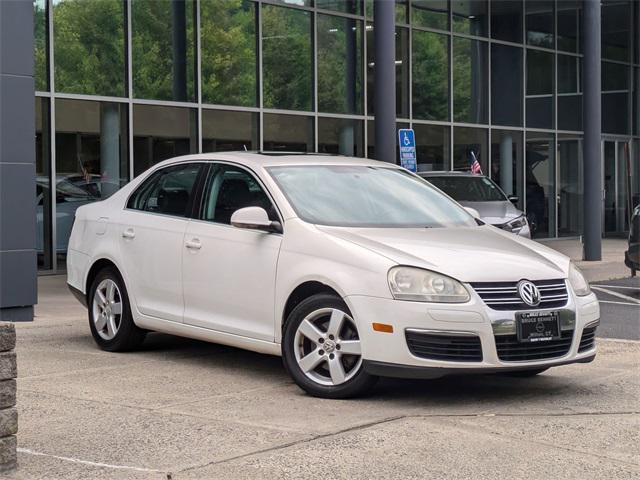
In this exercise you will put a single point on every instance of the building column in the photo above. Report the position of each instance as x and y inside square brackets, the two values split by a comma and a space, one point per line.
[109, 149]
[506, 164]
[592, 132]
[18, 266]
[385, 79]
[179, 49]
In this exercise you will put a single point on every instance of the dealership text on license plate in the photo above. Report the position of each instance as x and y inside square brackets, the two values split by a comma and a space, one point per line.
[537, 326]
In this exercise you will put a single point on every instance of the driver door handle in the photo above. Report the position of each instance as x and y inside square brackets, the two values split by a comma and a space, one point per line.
[129, 233]
[193, 244]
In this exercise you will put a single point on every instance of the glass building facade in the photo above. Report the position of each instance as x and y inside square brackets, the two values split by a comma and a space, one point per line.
[124, 84]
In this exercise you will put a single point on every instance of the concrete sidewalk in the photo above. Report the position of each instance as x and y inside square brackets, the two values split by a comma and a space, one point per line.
[611, 266]
[184, 409]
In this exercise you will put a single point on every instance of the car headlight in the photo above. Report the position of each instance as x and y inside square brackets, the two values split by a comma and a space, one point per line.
[418, 285]
[578, 282]
[516, 223]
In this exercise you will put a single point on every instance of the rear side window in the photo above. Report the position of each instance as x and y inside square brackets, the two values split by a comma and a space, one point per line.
[167, 191]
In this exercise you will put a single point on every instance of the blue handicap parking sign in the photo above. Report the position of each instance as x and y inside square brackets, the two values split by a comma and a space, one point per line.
[407, 144]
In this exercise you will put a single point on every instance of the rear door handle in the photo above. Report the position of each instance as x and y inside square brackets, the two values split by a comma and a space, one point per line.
[129, 233]
[193, 244]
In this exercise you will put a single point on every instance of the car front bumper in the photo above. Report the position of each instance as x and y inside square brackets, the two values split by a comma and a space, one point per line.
[388, 354]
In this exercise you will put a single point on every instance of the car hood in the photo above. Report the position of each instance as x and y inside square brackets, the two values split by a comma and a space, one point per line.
[495, 213]
[469, 254]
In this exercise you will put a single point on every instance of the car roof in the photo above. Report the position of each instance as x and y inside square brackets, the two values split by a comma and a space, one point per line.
[448, 173]
[275, 159]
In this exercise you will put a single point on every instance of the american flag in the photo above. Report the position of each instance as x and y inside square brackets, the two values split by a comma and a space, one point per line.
[475, 164]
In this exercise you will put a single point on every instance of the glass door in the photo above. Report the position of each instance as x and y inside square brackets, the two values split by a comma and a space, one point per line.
[616, 162]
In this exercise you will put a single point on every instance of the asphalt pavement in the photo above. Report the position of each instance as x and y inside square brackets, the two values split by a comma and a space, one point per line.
[619, 308]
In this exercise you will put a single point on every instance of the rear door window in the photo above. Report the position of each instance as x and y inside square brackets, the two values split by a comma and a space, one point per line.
[168, 191]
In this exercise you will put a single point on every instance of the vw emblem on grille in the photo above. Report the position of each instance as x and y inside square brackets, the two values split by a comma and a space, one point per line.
[529, 293]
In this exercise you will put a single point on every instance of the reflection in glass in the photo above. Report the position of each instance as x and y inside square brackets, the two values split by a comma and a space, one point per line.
[40, 48]
[540, 184]
[540, 20]
[506, 20]
[228, 38]
[163, 49]
[616, 34]
[402, 10]
[470, 81]
[160, 133]
[430, 76]
[569, 25]
[286, 58]
[570, 186]
[340, 136]
[339, 64]
[506, 85]
[540, 78]
[432, 147]
[430, 13]
[636, 101]
[569, 93]
[224, 130]
[89, 57]
[92, 160]
[635, 173]
[615, 98]
[470, 17]
[402, 71]
[507, 162]
[288, 133]
[346, 6]
[43, 185]
[470, 144]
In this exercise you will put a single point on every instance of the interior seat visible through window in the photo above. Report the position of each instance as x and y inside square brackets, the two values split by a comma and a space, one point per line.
[229, 189]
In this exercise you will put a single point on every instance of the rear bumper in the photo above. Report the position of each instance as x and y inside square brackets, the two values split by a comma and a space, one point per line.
[383, 369]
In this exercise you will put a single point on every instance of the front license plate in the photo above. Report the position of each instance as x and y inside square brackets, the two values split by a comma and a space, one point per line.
[538, 326]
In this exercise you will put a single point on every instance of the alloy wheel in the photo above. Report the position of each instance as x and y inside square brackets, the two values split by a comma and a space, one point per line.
[107, 309]
[327, 347]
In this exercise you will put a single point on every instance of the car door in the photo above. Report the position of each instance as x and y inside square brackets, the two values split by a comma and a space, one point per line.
[229, 273]
[151, 238]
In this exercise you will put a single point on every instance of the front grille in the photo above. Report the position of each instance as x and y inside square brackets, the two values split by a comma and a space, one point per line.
[505, 296]
[452, 348]
[588, 340]
[510, 350]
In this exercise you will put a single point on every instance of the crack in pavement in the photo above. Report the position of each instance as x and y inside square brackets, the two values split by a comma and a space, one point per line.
[412, 416]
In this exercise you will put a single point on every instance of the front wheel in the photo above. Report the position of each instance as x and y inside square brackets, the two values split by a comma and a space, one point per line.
[321, 349]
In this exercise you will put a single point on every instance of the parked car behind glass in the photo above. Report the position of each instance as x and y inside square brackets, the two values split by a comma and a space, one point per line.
[482, 194]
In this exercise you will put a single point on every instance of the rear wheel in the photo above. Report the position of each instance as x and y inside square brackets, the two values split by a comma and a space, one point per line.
[321, 349]
[110, 316]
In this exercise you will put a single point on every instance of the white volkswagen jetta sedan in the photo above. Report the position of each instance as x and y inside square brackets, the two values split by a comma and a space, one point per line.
[349, 268]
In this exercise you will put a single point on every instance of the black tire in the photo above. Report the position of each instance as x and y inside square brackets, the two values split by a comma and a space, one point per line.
[128, 336]
[359, 383]
[526, 373]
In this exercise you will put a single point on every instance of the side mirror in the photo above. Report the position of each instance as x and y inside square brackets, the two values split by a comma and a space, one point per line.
[514, 199]
[254, 218]
[473, 212]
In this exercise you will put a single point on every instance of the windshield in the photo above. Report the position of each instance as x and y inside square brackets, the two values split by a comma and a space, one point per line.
[469, 188]
[363, 196]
